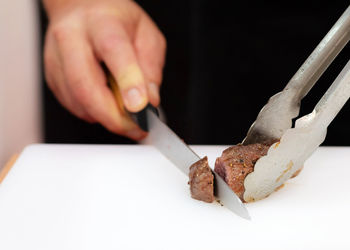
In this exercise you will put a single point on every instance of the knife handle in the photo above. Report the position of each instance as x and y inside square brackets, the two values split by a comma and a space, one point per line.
[140, 118]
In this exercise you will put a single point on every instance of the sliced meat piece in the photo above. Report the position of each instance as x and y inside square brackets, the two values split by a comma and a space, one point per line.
[237, 162]
[202, 181]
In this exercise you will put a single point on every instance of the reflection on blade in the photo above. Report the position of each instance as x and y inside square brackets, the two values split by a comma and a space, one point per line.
[172, 147]
[228, 198]
[169, 144]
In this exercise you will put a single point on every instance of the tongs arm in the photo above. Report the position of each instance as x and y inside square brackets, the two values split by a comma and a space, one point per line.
[295, 145]
[334, 99]
[276, 116]
[322, 56]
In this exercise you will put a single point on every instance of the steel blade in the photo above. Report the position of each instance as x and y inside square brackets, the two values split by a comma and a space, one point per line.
[182, 156]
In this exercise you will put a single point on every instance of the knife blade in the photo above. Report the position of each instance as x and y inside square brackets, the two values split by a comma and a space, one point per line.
[175, 149]
[182, 156]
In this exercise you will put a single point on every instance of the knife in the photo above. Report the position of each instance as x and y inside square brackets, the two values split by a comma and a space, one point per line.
[179, 153]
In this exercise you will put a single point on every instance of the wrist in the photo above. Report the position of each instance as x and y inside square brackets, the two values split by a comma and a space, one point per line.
[55, 7]
[52, 7]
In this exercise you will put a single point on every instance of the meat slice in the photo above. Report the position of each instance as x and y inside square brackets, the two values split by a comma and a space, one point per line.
[202, 181]
[237, 162]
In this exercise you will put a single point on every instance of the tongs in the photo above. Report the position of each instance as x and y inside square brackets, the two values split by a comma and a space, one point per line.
[292, 146]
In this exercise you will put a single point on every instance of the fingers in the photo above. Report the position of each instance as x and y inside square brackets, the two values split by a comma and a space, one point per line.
[86, 83]
[56, 82]
[131, 46]
[150, 45]
[114, 47]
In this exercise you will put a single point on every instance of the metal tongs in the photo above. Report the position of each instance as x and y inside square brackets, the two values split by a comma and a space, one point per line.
[274, 123]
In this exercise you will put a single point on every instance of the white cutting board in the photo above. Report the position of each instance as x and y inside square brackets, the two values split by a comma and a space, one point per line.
[131, 197]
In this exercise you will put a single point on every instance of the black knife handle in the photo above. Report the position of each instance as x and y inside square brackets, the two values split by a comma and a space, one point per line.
[140, 118]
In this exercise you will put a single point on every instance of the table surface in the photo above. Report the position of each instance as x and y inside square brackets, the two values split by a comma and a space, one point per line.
[131, 197]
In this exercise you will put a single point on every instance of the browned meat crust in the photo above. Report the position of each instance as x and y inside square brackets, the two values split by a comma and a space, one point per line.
[201, 181]
[237, 162]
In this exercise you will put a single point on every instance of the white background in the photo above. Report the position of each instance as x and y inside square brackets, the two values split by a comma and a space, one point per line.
[131, 197]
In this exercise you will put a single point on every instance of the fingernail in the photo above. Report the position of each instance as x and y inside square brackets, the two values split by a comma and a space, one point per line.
[154, 91]
[135, 100]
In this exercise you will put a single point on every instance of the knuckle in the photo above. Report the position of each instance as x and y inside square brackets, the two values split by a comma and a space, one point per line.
[157, 77]
[60, 33]
[49, 81]
[80, 91]
[162, 41]
[110, 42]
[52, 87]
[49, 61]
[48, 72]
[82, 95]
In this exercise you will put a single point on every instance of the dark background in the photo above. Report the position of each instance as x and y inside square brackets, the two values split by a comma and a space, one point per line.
[224, 60]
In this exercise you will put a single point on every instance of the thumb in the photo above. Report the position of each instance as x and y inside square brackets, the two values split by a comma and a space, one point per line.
[115, 48]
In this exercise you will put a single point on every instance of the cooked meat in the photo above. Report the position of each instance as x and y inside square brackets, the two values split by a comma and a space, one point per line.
[201, 181]
[237, 162]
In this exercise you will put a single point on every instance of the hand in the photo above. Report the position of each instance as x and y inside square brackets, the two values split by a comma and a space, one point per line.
[82, 34]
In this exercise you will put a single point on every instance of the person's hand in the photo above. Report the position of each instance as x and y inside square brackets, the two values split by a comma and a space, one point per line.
[82, 34]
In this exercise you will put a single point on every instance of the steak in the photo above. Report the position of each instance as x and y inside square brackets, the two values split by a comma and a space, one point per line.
[237, 162]
[202, 181]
